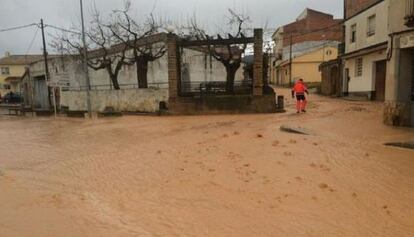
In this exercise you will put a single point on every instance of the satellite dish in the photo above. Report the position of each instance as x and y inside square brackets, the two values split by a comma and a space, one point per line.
[170, 29]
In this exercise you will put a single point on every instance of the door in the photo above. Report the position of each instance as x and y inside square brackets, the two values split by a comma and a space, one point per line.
[41, 100]
[346, 82]
[380, 75]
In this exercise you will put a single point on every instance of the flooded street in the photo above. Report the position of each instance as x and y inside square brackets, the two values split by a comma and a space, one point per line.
[227, 175]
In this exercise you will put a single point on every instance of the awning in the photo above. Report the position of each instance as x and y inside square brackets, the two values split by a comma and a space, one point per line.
[13, 79]
[365, 51]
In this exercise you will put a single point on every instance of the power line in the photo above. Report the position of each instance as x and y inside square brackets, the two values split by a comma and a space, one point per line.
[18, 27]
[32, 42]
[313, 47]
[307, 49]
[62, 29]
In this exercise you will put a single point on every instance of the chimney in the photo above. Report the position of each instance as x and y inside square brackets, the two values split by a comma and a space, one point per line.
[7, 54]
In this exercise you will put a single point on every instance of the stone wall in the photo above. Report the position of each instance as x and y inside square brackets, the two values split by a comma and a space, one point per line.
[129, 100]
[331, 78]
[226, 104]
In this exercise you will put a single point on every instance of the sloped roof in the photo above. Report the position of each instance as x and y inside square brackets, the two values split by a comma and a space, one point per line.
[20, 59]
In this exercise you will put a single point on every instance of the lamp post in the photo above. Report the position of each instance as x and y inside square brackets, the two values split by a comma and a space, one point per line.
[85, 64]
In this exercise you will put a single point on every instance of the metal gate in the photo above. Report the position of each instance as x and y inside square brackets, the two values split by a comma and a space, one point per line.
[41, 100]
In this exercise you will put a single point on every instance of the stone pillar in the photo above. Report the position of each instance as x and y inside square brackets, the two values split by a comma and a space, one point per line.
[173, 75]
[258, 63]
[397, 107]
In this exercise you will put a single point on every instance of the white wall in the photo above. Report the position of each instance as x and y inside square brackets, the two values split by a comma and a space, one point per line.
[361, 21]
[396, 16]
[71, 70]
[198, 70]
[366, 82]
[129, 100]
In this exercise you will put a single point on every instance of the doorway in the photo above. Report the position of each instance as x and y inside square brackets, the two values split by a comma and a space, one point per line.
[380, 75]
[41, 98]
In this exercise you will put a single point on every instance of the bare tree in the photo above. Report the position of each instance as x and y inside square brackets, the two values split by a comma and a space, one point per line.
[105, 51]
[135, 36]
[229, 55]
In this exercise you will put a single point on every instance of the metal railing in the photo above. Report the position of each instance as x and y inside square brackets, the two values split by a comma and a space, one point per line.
[243, 87]
[102, 87]
[409, 13]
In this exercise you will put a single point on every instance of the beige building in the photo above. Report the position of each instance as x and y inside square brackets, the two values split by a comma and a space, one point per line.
[366, 52]
[306, 66]
[12, 67]
[399, 94]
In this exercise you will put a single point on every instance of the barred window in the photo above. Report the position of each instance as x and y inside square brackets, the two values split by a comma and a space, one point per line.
[358, 67]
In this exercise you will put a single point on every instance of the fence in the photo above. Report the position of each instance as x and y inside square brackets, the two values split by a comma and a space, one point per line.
[215, 88]
[102, 87]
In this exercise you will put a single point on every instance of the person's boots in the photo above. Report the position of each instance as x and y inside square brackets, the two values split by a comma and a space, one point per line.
[304, 103]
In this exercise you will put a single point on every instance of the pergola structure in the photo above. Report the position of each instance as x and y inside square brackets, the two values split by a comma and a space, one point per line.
[257, 101]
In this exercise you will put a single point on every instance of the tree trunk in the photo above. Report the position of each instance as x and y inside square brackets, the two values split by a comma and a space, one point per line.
[113, 76]
[142, 72]
[115, 82]
[231, 70]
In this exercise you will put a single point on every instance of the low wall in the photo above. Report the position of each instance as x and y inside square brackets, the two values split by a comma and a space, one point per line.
[128, 100]
[238, 104]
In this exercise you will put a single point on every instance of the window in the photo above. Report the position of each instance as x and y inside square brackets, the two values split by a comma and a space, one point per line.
[358, 67]
[6, 87]
[353, 33]
[409, 13]
[5, 71]
[328, 52]
[371, 25]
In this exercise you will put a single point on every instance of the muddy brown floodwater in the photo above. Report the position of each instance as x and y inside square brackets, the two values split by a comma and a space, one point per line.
[230, 175]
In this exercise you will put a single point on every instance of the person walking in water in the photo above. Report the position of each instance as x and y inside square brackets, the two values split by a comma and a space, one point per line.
[299, 89]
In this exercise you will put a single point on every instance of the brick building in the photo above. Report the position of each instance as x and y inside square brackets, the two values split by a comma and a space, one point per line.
[353, 7]
[312, 31]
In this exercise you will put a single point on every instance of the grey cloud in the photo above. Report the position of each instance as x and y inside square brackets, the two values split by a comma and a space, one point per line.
[65, 13]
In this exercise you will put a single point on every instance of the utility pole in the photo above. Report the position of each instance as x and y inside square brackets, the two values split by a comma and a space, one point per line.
[85, 64]
[323, 51]
[42, 26]
[290, 60]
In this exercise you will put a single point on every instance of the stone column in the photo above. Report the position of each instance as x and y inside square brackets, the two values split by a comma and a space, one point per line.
[397, 108]
[258, 63]
[173, 75]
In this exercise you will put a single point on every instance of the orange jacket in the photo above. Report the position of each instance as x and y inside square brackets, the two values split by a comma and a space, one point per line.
[299, 88]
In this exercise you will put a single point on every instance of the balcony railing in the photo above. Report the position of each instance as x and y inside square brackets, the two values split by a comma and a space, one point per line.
[409, 13]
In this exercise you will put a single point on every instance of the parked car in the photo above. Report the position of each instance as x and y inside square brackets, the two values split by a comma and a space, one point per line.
[12, 98]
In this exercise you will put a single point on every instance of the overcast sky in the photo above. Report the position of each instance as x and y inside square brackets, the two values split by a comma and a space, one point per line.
[65, 13]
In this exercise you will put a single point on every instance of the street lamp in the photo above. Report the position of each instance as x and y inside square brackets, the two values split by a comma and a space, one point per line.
[85, 64]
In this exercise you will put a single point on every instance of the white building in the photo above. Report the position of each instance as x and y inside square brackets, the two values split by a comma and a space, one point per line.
[66, 73]
[366, 42]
